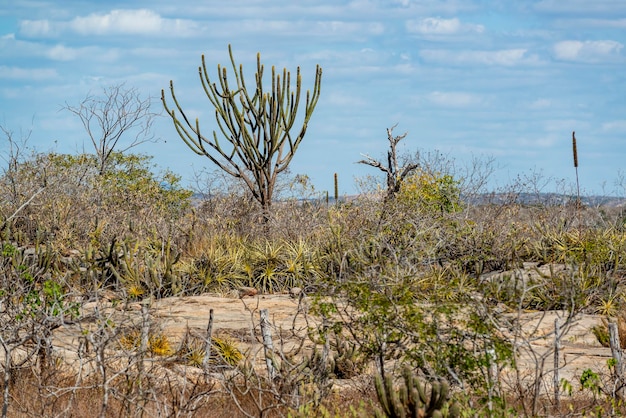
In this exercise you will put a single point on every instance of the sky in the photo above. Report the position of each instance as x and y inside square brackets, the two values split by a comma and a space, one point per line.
[472, 79]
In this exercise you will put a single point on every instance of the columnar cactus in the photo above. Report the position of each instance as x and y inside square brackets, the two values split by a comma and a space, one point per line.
[255, 123]
[410, 400]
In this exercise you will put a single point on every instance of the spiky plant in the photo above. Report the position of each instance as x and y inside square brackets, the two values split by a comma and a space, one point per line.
[266, 260]
[159, 345]
[135, 291]
[191, 350]
[227, 351]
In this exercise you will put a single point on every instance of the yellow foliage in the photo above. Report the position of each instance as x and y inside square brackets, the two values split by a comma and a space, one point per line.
[431, 192]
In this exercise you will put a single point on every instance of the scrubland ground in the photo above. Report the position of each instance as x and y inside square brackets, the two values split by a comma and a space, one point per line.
[122, 294]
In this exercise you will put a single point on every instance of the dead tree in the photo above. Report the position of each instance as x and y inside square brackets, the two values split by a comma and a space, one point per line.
[395, 173]
[119, 113]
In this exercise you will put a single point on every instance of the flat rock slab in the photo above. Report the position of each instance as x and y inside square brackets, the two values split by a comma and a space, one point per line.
[238, 319]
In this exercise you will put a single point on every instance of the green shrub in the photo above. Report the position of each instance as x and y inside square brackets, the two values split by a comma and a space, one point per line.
[431, 193]
[74, 200]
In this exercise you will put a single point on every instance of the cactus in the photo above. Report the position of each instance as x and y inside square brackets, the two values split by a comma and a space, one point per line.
[410, 398]
[254, 122]
[348, 361]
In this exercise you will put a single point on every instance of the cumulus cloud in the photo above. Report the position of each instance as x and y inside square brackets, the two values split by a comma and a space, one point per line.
[148, 22]
[563, 126]
[349, 59]
[141, 21]
[62, 53]
[587, 51]
[308, 30]
[437, 26]
[116, 22]
[37, 28]
[503, 57]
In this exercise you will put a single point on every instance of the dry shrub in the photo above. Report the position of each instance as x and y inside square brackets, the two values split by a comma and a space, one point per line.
[58, 395]
[72, 204]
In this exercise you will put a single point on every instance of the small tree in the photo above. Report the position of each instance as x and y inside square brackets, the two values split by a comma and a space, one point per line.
[395, 173]
[256, 123]
[119, 111]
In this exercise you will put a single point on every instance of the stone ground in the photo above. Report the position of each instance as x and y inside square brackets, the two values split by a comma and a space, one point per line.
[238, 319]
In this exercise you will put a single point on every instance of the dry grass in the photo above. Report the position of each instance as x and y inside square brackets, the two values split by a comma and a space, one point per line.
[56, 395]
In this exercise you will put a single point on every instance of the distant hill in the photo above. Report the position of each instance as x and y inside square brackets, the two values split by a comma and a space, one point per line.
[552, 199]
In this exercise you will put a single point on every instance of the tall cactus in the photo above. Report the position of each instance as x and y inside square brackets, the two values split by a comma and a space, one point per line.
[409, 399]
[256, 125]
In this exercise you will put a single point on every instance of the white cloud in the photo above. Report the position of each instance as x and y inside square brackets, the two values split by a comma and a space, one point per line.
[425, 7]
[437, 26]
[62, 53]
[148, 22]
[504, 57]
[587, 51]
[453, 99]
[116, 22]
[329, 28]
[36, 28]
[27, 73]
[308, 30]
[140, 21]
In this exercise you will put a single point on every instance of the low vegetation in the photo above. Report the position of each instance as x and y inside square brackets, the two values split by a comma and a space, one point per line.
[415, 292]
[404, 288]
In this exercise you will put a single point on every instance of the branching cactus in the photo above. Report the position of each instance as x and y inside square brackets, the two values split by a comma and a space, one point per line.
[258, 125]
[409, 398]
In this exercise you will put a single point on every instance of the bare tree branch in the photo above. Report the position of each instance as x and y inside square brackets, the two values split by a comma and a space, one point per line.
[395, 173]
[119, 113]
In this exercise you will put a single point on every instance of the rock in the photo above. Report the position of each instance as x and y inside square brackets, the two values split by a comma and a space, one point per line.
[247, 291]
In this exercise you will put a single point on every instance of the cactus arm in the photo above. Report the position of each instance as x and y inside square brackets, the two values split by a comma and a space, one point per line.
[382, 395]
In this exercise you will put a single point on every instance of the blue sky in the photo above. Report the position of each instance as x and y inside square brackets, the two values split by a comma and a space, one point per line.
[495, 78]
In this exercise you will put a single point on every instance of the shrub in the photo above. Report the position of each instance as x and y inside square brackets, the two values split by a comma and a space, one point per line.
[432, 193]
[75, 203]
